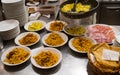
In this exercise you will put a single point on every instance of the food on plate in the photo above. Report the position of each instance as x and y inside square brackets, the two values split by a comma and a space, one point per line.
[31, 9]
[105, 58]
[82, 44]
[79, 7]
[101, 33]
[46, 58]
[17, 55]
[35, 26]
[28, 39]
[72, 30]
[57, 26]
[54, 39]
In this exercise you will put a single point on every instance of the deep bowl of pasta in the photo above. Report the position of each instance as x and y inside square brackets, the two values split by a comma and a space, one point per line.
[46, 58]
[15, 55]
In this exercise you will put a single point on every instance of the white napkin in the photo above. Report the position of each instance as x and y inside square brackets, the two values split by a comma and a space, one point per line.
[34, 16]
[110, 55]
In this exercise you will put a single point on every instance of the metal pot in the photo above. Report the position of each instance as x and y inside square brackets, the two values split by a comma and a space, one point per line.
[94, 5]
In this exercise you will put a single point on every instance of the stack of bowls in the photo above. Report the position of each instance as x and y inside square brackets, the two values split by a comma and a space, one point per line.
[9, 29]
[15, 9]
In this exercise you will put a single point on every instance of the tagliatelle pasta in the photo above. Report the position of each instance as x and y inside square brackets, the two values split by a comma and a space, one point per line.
[46, 58]
[28, 39]
[54, 39]
[17, 55]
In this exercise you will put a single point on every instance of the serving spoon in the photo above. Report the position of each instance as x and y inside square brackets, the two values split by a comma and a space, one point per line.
[74, 7]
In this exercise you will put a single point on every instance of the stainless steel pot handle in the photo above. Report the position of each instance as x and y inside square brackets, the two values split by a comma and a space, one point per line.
[113, 8]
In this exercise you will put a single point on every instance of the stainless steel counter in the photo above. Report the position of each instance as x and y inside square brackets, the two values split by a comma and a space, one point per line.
[72, 64]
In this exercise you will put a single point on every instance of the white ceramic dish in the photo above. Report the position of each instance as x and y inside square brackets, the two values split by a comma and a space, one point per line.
[64, 37]
[39, 50]
[3, 57]
[29, 23]
[75, 30]
[113, 29]
[24, 34]
[74, 49]
[49, 23]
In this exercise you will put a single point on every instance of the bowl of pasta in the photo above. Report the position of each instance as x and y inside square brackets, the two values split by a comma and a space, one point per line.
[46, 58]
[55, 39]
[81, 44]
[15, 55]
[27, 39]
[56, 25]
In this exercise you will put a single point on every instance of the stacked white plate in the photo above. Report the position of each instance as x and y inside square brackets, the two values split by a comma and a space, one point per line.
[1, 15]
[117, 41]
[15, 9]
[9, 29]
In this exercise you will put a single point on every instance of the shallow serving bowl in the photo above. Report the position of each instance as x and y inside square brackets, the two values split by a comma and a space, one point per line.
[83, 44]
[3, 57]
[62, 35]
[74, 30]
[26, 27]
[46, 49]
[57, 24]
[22, 35]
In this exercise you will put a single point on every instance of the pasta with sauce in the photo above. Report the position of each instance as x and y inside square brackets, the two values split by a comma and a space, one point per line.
[28, 39]
[46, 58]
[54, 39]
[17, 55]
[82, 44]
[56, 26]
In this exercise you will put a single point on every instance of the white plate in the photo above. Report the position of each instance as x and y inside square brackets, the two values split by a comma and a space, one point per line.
[116, 32]
[3, 57]
[74, 49]
[49, 23]
[24, 34]
[64, 37]
[7, 25]
[39, 50]
[29, 23]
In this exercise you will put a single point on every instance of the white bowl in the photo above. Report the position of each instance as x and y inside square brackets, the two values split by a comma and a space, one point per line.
[75, 30]
[39, 50]
[64, 37]
[24, 34]
[74, 49]
[3, 57]
[29, 23]
[49, 23]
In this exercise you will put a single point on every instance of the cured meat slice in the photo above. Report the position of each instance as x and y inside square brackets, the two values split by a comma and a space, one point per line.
[101, 33]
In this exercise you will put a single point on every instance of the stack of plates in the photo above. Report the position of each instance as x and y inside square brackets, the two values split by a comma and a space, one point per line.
[15, 9]
[9, 29]
[117, 41]
[1, 15]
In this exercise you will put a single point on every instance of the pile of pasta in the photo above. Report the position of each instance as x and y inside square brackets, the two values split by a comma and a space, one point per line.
[46, 58]
[28, 39]
[56, 26]
[83, 44]
[54, 39]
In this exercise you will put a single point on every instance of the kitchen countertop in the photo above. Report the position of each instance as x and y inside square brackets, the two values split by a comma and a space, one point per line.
[72, 64]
